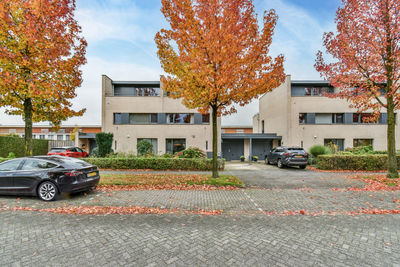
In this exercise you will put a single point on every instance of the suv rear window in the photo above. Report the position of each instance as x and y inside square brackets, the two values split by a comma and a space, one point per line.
[296, 149]
[57, 149]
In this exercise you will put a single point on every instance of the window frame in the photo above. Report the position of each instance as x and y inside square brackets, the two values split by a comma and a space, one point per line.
[137, 91]
[340, 148]
[358, 142]
[174, 115]
[153, 118]
[172, 139]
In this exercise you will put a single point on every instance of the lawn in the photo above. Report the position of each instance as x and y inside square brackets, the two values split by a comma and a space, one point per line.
[169, 181]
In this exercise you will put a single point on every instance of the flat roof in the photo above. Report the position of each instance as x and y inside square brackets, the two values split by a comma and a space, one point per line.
[137, 82]
[313, 82]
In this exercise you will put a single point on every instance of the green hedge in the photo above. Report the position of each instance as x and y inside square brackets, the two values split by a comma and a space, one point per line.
[155, 163]
[17, 146]
[354, 162]
[2, 160]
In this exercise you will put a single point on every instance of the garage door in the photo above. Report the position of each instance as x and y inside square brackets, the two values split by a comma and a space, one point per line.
[261, 148]
[232, 149]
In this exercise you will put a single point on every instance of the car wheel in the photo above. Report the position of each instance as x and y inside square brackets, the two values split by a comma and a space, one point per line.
[47, 191]
[280, 164]
[303, 166]
[267, 161]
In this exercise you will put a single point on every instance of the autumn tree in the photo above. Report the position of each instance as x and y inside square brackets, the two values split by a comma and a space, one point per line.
[366, 61]
[216, 56]
[41, 51]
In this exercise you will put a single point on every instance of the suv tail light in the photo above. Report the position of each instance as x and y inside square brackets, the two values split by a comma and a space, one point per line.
[288, 154]
[74, 173]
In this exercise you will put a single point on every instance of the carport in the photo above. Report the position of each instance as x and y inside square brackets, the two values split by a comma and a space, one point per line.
[248, 145]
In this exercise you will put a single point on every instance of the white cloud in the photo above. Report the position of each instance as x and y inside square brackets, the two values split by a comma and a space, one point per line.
[298, 36]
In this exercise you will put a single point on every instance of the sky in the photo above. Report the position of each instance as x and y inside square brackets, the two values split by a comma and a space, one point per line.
[120, 36]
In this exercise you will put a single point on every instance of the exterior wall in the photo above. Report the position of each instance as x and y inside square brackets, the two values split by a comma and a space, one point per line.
[286, 124]
[256, 123]
[274, 110]
[125, 136]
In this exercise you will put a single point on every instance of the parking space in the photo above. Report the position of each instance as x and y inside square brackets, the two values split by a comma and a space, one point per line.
[270, 176]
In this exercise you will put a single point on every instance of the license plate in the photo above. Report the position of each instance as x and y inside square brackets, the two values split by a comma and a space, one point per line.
[91, 174]
[299, 156]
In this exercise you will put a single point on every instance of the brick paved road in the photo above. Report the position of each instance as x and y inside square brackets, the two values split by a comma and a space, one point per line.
[242, 236]
[153, 240]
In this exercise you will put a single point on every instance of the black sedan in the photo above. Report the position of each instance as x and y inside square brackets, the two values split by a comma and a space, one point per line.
[46, 176]
[287, 156]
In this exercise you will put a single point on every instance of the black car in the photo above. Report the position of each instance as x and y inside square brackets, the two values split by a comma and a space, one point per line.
[47, 176]
[287, 156]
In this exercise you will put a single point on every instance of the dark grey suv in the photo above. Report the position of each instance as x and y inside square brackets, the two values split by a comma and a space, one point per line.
[287, 156]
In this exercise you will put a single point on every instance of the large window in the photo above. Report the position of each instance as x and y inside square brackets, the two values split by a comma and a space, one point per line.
[125, 90]
[180, 118]
[363, 142]
[311, 91]
[153, 141]
[175, 145]
[135, 118]
[323, 118]
[363, 118]
[338, 142]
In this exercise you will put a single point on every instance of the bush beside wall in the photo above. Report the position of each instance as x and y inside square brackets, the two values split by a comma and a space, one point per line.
[17, 146]
[155, 163]
[367, 162]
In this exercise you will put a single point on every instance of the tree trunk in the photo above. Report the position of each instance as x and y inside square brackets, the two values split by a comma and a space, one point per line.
[391, 141]
[28, 126]
[215, 142]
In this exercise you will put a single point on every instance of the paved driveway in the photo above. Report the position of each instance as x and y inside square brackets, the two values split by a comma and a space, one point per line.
[270, 176]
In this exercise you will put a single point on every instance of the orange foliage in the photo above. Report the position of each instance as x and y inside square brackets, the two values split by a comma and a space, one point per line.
[216, 54]
[41, 51]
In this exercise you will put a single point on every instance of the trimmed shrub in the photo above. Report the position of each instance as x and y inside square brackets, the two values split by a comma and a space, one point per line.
[366, 162]
[104, 143]
[155, 163]
[16, 145]
[359, 150]
[193, 153]
[3, 159]
[317, 150]
[144, 147]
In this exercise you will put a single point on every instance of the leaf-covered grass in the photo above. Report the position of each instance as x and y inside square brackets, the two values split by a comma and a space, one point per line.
[168, 180]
